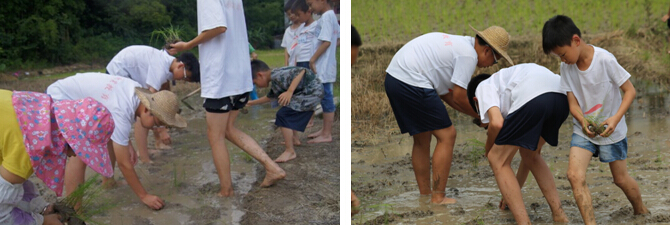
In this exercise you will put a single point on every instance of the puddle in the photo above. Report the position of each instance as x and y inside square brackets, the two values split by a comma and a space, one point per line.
[383, 178]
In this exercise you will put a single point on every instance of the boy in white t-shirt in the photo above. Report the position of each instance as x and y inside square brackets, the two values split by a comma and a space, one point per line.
[324, 63]
[592, 77]
[426, 71]
[290, 38]
[523, 107]
[126, 100]
[153, 69]
[226, 85]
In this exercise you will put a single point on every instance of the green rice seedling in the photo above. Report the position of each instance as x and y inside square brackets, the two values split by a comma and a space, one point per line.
[169, 34]
[93, 203]
[476, 152]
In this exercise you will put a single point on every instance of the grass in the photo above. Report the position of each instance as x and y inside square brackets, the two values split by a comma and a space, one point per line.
[388, 21]
[93, 200]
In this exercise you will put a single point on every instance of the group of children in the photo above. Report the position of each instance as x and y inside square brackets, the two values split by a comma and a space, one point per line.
[522, 107]
[89, 116]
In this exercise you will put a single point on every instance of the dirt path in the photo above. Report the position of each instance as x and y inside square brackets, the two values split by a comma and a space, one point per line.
[310, 192]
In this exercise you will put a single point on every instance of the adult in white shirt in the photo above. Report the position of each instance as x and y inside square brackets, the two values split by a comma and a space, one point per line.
[432, 68]
[153, 69]
[523, 107]
[126, 100]
[226, 83]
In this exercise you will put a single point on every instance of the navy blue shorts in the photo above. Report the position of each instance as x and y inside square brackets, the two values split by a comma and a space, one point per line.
[294, 120]
[303, 65]
[416, 109]
[225, 104]
[540, 117]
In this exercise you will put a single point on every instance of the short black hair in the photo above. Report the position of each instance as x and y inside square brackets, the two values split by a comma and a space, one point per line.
[300, 5]
[191, 63]
[289, 5]
[472, 87]
[258, 66]
[558, 32]
[355, 38]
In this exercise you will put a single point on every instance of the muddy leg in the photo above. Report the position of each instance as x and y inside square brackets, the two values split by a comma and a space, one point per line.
[579, 161]
[500, 160]
[545, 180]
[442, 156]
[273, 172]
[216, 134]
[628, 185]
[421, 161]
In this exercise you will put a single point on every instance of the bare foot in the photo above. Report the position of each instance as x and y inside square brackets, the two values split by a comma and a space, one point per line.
[561, 218]
[162, 146]
[271, 178]
[443, 201]
[296, 142]
[315, 134]
[285, 157]
[503, 205]
[146, 161]
[643, 211]
[320, 139]
[112, 183]
[224, 194]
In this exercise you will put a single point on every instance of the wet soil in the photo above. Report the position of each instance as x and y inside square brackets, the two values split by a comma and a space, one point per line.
[311, 191]
[383, 178]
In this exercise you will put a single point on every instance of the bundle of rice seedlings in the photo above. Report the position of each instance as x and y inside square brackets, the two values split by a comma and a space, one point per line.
[169, 34]
[92, 201]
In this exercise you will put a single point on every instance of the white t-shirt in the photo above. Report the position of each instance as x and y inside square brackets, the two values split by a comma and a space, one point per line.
[511, 88]
[597, 92]
[224, 60]
[307, 42]
[435, 61]
[144, 64]
[114, 92]
[290, 42]
[328, 30]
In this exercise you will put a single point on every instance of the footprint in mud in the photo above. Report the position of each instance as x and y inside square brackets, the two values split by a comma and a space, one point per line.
[457, 211]
[205, 213]
[209, 188]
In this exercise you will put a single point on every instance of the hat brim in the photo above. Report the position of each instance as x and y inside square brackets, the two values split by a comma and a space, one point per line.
[494, 46]
[104, 167]
[172, 121]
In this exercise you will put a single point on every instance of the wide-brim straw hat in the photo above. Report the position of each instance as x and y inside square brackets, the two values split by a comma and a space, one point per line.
[162, 104]
[498, 38]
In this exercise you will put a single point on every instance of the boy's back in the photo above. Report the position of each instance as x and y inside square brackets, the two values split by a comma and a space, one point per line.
[597, 92]
[306, 96]
[143, 64]
[328, 30]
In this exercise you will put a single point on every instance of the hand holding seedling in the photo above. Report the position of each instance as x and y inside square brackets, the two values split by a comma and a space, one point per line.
[586, 130]
[610, 125]
[177, 47]
[154, 202]
[285, 98]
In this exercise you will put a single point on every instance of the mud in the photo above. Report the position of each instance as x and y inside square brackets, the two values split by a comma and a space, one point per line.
[383, 179]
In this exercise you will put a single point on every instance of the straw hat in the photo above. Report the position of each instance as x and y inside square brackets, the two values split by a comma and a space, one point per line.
[497, 38]
[162, 104]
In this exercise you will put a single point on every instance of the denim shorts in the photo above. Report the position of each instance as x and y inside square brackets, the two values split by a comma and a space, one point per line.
[327, 103]
[606, 153]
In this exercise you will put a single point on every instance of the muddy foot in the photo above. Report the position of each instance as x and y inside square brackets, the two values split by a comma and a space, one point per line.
[285, 157]
[444, 201]
[295, 142]
[225, 194]
[320, 139]
[272, 178]
[162, 146]
[315, 134]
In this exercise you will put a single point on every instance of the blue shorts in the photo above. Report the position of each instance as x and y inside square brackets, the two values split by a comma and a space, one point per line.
[540, 117]
[294, 120]
[606, 153]
[327, 103]
[303, 64]
[416, 109]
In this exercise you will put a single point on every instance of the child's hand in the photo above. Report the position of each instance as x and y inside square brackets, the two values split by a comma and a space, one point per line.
[611, 125]
[665, 17]
[585, 129]
[285, 98]
[153, 202]
[312, 66]
[176, 48]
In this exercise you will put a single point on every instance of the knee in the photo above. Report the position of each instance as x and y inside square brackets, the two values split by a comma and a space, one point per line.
[621, 181]
[576, 178]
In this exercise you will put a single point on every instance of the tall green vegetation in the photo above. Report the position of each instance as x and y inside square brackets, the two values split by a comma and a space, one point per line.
[41, 33]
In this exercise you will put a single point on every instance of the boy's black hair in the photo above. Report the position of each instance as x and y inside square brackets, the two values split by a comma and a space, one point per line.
[472, 87]
[300, 5]
[258, 66]
[355, 38]
[289, 5]
[558, 32]
[191, 63]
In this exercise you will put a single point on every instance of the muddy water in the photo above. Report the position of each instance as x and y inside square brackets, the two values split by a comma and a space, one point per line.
[185, 177]
[384, 180]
